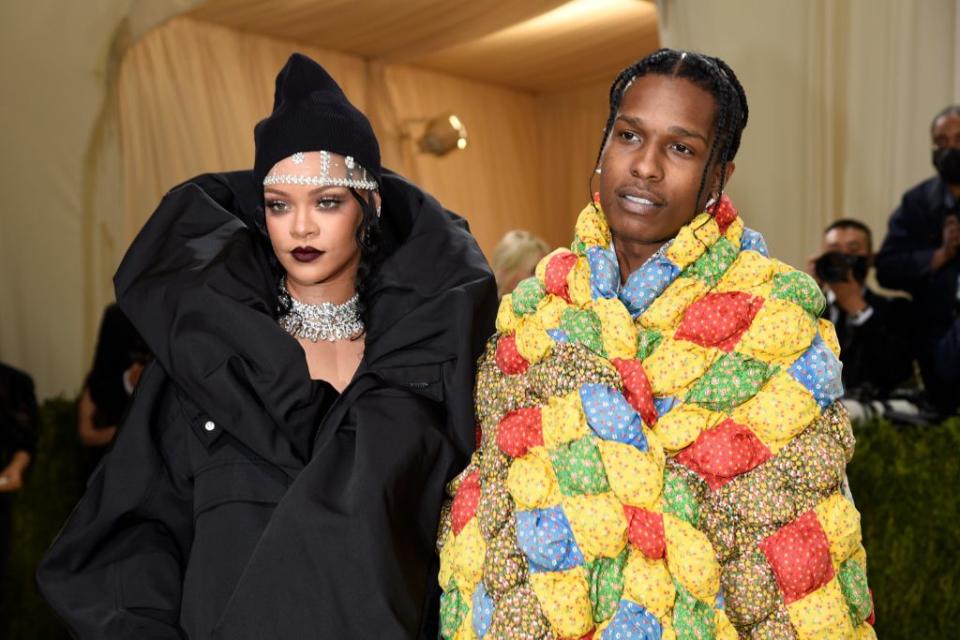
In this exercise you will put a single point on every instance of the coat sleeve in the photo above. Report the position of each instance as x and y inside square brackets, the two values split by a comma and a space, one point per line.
[903, 261]
[115, 570]
[948, 354]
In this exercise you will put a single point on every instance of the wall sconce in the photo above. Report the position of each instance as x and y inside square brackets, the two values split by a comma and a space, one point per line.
[442, 135]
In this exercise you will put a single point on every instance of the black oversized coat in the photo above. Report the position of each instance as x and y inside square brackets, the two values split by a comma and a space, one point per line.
[241, 500]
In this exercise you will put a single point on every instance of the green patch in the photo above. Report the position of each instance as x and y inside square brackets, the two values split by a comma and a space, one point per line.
[579, 468]
[711, 266]
[731, 381]
[527, 296]
[853, 583]
[453, 609]
[692, 619]
[584, 327]
[678, 498]
[800, 288]
[606, 585]
[647, 341]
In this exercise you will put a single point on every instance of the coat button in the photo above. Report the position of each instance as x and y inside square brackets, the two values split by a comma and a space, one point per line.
[209, 425]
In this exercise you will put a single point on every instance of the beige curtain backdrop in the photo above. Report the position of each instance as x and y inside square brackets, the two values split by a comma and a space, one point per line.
[841, 94]
[190, 92]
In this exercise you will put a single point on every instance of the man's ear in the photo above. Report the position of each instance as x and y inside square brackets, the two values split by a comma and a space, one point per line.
[715, 185]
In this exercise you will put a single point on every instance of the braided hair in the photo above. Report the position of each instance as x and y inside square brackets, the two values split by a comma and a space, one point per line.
[710, 74]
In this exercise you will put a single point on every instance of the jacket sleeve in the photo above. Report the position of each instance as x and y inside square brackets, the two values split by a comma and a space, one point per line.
[903, 261]
[115, 570]
[948, 355]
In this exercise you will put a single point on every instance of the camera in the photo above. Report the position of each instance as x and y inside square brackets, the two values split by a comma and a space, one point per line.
[834, 266]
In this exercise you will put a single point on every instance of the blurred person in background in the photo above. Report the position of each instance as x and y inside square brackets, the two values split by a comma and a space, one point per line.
[873, 330]
[117, 363]
[18, 443]
[919, 254]
[515, 258]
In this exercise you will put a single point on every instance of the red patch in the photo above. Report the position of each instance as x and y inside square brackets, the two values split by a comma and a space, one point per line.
[799, 554]
[519, 430]
[478, 431]
[645, 531]
[555, 276]
[719, 319]
[636, 389]
[872, 618]
[465, 502]
[508, 358]
[722, 453]
[725, 214]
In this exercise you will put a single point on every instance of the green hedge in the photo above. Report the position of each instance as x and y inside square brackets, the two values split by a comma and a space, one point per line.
[904, 480]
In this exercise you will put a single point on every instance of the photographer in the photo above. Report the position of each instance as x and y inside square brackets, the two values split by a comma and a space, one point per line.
[872, 329]
[920, 256]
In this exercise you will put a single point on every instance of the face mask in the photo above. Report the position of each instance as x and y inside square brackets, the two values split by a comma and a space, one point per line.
[947, 162]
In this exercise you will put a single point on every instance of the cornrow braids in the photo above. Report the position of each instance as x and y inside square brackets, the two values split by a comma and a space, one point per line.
[711, 74]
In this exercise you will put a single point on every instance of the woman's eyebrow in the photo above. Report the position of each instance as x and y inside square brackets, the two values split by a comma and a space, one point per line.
[277, 191]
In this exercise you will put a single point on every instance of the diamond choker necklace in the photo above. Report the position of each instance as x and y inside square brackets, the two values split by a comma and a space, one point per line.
[325, 321]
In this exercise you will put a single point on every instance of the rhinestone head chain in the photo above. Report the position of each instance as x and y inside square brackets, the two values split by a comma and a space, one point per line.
[326, 321]
[323, 169]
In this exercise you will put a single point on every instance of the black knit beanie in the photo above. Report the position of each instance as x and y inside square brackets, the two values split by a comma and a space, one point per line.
[311, 113]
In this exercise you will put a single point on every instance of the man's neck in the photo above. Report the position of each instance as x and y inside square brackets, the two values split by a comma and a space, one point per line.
[631, 254]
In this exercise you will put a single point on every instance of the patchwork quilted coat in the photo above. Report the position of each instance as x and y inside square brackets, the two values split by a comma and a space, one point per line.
[662, 458]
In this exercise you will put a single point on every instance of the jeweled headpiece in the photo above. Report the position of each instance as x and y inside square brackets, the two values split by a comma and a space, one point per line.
[323, 169]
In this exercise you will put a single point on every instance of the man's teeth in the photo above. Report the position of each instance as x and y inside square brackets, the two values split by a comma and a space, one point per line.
[639, 200]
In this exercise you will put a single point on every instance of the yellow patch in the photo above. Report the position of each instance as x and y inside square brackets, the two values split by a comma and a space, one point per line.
[829, 334]
[532, 482]
[598, 524]
[780, 410]
[565, 600]
[734, 232]
[533, 343]
[592, 226]
[750, 272]
[667, 310]
[779, 334]
[578, 282]
[469, 551]
[676, 365]
[690, 559]
[681, 426]
[822, 615]
[549, 311]
[648, 583]
[563, 420]
[685, 248]
[636, 477]
[617, 328]
[507, 320]
[841, 522]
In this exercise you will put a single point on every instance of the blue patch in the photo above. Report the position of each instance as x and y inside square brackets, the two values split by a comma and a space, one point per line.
[752, 241]
[646, 283]
[610, 415]
[665, 404]
[546, 539]
[482, 607]
[632, 622]
[820, 372]
[604, 273]
[558, 335]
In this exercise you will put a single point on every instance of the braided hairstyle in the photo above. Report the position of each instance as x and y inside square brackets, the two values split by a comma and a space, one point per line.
[710, 74]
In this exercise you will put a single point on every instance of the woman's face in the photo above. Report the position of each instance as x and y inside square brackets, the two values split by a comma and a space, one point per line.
[652, 162]
[313, 229]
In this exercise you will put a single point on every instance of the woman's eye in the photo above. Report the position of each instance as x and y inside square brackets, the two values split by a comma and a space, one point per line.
[328, 203]
[277, 206]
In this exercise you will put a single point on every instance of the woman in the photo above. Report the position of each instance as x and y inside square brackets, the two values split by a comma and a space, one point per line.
[315, 325]
[515, 257]
[662, 455]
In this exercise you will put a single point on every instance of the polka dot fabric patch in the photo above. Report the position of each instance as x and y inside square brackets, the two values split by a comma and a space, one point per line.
[660, 455]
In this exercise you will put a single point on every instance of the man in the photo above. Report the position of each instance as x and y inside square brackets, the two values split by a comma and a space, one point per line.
[18, 441]
[872, 329]
[919, 254]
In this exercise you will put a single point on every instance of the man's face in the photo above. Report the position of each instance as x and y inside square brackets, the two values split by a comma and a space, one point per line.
[849, 241]
[946, 132]
[654, 158]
